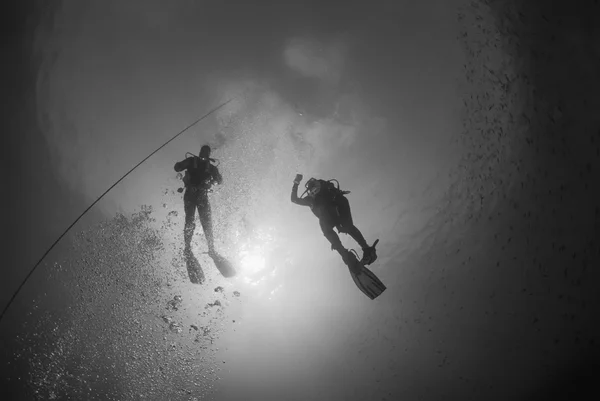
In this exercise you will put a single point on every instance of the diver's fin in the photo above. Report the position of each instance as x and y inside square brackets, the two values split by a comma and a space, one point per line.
[194, 268]
[367, 281]
[369, 254]
[222, 264]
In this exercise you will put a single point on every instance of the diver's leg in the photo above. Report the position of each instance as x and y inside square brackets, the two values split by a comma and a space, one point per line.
[336, 243]
[205, 213]
[331, 236]
[189, 206]
[222, 264]
[347, 226]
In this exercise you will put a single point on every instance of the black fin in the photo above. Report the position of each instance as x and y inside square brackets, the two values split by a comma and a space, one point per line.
[223, 265]
[194, 268]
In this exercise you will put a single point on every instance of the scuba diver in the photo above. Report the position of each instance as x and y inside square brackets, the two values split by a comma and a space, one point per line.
[331, 207]
[200, 175]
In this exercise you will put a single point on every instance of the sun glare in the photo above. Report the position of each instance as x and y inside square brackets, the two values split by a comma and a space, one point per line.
[253, 255]
[252, 261]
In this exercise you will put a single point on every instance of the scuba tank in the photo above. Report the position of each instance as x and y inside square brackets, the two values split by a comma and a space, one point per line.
[328, 186]
[186, 177]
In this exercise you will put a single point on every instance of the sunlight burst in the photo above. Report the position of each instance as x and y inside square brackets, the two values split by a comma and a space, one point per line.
[254, 253]
[252, 260]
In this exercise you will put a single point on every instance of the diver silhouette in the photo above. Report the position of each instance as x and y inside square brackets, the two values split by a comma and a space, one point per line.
[200, 176]
[332, 208]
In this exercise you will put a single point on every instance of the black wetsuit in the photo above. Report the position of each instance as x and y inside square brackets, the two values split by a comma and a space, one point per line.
[200, 175]
[333, 210]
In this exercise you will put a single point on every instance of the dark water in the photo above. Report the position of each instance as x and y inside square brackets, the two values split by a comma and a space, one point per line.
[505, 287]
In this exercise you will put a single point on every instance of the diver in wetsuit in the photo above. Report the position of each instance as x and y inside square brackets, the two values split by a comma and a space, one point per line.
[332, 209]
[200, 175]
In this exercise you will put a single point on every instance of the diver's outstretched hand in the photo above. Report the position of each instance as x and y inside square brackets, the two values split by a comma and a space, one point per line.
[298, 179]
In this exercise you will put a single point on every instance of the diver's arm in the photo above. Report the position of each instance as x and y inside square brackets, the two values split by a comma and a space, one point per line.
[182, 165]
[295, 199]
[216, 175]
